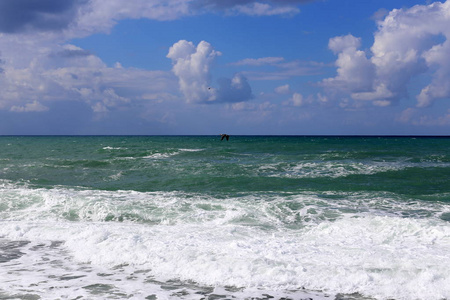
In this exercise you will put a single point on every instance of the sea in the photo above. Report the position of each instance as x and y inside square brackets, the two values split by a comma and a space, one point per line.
[197, 217]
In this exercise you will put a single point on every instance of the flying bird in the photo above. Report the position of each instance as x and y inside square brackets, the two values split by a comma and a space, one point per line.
[224, 136]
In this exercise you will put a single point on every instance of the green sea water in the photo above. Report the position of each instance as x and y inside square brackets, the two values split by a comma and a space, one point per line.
[326, 216]
[417, 167]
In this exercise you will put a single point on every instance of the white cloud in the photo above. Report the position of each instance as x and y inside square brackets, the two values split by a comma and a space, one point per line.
[49, 72]
[34, 106]
[406, 115]
[253, 107]
[380, 92]
[355, 72]
[322, 99]
[283, 89]
[408, 42]
[297, 99]
[38, 65]
[101, 16]
[415, 117]
[192, 65]
[344, 43]
[78, 18]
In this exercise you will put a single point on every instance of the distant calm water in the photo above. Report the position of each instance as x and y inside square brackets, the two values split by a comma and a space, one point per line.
[193, 217]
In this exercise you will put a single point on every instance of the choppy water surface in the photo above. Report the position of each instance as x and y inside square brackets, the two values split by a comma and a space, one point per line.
[199, 218]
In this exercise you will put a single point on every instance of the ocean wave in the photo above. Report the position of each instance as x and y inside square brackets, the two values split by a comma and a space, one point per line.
[335, 242]
[164, 155]
[114, 148]
[192, 150]
[160, 155]
[366, 255]
[263, 210]
[336, 169]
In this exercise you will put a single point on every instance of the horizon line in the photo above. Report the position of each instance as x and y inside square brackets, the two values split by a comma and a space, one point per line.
[235, 135]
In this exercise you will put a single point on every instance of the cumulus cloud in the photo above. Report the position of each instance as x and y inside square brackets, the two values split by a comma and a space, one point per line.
[192, 65]
[355, 72]
[408, 42]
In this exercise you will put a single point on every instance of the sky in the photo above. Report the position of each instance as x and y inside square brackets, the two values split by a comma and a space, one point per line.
[247, 67]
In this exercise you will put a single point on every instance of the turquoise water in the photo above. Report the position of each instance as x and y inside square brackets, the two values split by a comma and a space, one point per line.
[170, 217]
[411, 166]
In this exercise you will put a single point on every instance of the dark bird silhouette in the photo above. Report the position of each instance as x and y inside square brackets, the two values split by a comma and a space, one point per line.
[224, 136]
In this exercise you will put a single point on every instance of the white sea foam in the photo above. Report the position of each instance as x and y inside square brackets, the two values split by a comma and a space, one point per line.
[382, 257]
[114, 148]
[116, 176]
[191, 150]
[327, 169]
[335, 169]
[165, 155]
[357, 243]
[161, 155]
[20, 202]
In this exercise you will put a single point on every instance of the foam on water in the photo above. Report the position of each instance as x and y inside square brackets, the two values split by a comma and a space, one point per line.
[47, 270]
[335, 169]
[114, 148]
[160, 155]
[377, 256]
[20, 202]
[364, 243]
[191, 150]
[164, 155]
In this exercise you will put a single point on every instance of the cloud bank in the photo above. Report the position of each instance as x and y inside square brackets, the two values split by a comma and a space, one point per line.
[408, 43]
[84, 17]
[37, 65]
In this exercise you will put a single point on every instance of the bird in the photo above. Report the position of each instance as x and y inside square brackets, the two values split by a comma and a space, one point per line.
[224, 136]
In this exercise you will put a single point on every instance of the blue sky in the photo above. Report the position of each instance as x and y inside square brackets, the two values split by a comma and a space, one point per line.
[294, 67]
